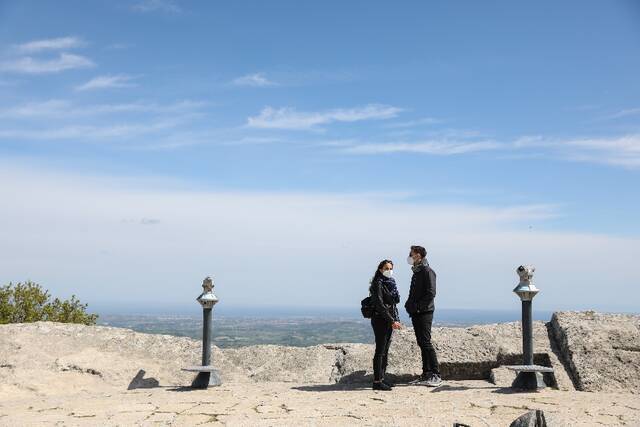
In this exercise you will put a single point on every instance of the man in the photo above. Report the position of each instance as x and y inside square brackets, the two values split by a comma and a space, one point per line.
[420, 306]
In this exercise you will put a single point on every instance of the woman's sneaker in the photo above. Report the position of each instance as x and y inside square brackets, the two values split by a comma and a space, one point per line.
[381, 386]
[433, 381]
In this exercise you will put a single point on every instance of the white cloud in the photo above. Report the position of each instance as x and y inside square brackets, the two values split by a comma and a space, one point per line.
[441, 148]
[61, 43]
[98, 247]
[60, 108]
[254, 80]
[167, 6]
[30, 65]
[108, 81]
[424, 121]
[621, 151]
[289, 118]
[138, 125]
[253, 140]
[89, 133]
[625, 113]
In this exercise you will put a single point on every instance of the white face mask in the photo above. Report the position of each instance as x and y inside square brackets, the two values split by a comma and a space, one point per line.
[410, 260]
[387, 273]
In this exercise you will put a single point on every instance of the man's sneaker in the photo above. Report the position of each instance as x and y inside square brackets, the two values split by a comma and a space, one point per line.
[389, 383]
[434, 381]
[381, 386]
[421, 380]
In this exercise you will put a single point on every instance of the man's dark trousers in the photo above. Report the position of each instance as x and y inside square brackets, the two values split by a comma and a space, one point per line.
[422, 328]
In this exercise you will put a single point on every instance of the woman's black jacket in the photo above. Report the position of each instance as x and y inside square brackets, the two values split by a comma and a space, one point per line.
[383, 301]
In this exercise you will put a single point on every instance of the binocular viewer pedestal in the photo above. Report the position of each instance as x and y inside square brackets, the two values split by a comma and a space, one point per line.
[207, 376]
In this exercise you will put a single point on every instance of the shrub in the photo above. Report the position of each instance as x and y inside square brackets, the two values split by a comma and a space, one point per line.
[29, 302]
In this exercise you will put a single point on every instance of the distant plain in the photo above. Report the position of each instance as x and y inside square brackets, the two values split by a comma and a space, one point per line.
[294, 327]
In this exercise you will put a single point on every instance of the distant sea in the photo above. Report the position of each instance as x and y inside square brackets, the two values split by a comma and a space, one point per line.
[294, 327]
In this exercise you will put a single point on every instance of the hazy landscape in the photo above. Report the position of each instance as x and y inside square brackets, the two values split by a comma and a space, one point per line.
[293, 329]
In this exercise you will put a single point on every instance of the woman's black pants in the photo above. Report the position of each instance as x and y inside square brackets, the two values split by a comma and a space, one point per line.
[382, 330]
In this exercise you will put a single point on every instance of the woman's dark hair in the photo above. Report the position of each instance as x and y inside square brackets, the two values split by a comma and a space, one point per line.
[382, 263]
[419, 250]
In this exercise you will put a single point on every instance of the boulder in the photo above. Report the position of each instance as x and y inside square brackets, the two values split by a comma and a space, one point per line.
[502, 377]
[530, 419]
[538, 418]
[280, 363]
[602, 351]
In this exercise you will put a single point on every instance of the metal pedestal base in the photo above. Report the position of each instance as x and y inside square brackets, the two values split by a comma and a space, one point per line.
[528, 381]
[207, 377]
[529, 376]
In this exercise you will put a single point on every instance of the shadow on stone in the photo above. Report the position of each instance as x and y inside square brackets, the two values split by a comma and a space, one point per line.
[446, 387]
[333, 387]
[184, 388]
[359, 377]
[140, 382]
[511, 390]
[555, 348]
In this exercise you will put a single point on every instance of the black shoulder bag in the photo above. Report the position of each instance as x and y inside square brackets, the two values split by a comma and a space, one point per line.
[366, 307]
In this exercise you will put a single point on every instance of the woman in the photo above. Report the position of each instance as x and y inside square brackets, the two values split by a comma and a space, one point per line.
[384, 295]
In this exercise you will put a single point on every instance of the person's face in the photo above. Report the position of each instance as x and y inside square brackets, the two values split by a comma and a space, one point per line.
[388, 266]
[416, 256]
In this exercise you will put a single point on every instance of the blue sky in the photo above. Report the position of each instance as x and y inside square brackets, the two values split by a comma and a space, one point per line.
[492, 131]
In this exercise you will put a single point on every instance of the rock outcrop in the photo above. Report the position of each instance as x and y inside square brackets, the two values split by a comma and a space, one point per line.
[463, 353]
[600, 352]
[536, 418]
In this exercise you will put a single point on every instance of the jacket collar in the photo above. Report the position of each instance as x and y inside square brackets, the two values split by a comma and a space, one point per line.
[420, 266]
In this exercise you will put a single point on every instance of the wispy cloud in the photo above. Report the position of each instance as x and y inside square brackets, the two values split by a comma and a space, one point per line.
[139, 123]
[107, 82]
[60, 43]
[289, 118]
[624, 113]
[623, 151]
[253, 140]
[619, 151]
[440, 148]
[30, 65]
[424, 121]
[89, 133]
[166, 6]
[615, 150]
[64, 108]
[254, 80]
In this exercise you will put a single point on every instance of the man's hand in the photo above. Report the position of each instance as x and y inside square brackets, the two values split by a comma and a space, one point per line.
[396, 325]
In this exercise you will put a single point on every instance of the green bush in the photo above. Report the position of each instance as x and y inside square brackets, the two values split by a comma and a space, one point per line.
[29, 302]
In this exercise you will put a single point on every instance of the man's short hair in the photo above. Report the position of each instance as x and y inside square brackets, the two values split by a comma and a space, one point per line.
[419, 250]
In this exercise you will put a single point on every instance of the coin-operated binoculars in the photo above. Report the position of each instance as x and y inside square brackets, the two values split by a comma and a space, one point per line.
[529, 375]
[207, 375]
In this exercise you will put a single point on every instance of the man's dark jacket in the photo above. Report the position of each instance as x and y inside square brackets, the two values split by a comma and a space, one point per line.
[422, 291]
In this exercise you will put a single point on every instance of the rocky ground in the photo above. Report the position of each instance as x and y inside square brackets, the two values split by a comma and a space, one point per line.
[475, 403]
[93, 375]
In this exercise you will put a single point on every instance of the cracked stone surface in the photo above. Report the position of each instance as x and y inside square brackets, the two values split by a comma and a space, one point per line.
[602, 350]
[476, 403]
